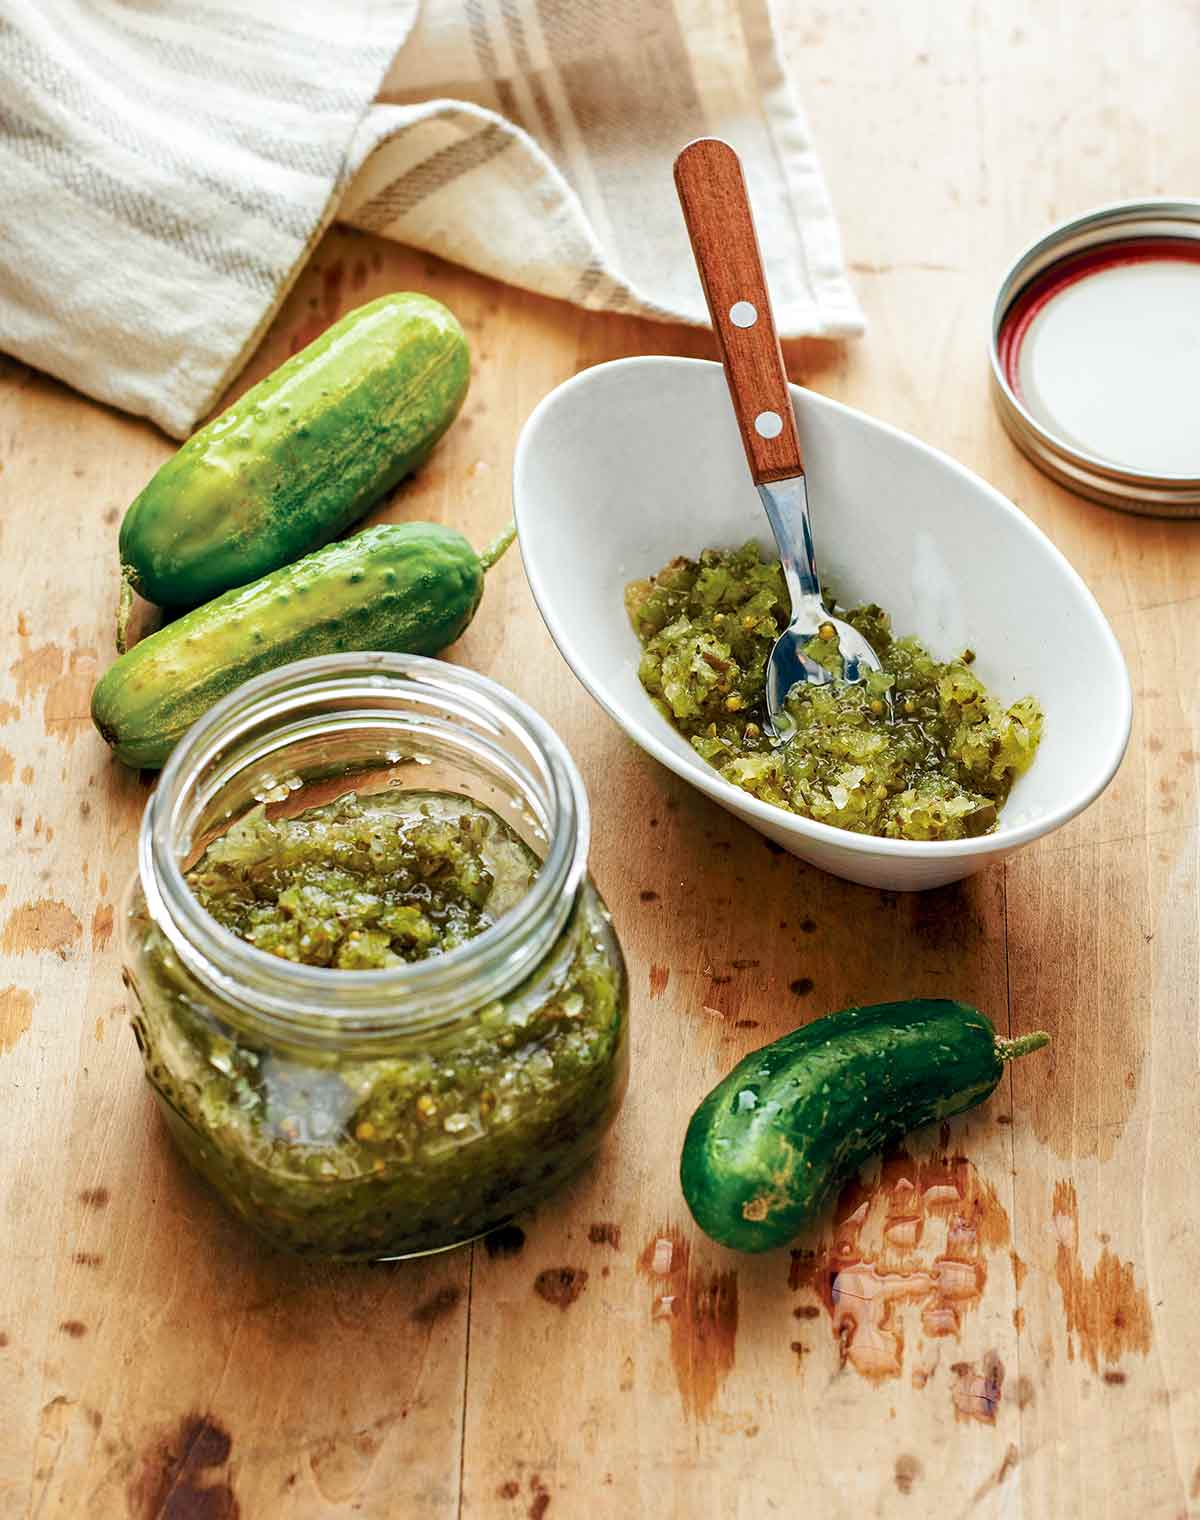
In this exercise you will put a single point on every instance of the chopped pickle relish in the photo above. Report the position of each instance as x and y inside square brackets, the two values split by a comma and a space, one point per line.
[917, 750]
[361, 884]
[431, 1134]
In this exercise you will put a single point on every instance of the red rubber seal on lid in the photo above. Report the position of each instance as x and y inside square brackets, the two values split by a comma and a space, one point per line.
[1040, 291]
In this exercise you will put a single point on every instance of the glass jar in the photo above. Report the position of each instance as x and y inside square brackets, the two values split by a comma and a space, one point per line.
[380, 1113]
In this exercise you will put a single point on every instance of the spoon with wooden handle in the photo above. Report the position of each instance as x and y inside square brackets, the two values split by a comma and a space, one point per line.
[712, 192]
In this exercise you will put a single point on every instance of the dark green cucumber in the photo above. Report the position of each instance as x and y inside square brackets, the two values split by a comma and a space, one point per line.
[411, 587]
[769, 1145]
[301, 455]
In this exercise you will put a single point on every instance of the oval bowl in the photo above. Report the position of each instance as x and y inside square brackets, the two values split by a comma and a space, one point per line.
[631, 463]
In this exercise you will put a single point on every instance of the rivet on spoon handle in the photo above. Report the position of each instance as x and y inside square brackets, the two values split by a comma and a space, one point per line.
[712, 192]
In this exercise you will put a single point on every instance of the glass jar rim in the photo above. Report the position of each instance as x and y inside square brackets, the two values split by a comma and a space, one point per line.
[318, 999]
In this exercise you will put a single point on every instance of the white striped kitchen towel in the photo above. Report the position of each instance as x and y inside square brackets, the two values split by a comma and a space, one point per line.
[169, 164]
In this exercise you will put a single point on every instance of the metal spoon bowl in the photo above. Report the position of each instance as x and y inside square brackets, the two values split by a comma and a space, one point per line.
[790, 664]
[712, 192]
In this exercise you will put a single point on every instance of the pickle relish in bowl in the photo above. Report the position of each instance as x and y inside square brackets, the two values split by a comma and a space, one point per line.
[916, 750]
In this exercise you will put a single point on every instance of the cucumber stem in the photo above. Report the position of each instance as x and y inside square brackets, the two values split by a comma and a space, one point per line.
[124, 610]
[489, 556]
[1012, 1050]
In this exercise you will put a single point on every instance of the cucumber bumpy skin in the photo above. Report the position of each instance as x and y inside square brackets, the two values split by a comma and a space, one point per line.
[769, 1145]
[302, 455]
[410, 587]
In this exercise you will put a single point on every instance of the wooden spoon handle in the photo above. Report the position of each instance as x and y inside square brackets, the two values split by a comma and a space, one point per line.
[712, 192]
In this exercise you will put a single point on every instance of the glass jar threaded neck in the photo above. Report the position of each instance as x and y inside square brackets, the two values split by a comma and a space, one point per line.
[344, 722]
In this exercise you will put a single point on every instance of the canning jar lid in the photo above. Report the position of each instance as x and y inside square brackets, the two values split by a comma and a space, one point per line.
[1095, 355]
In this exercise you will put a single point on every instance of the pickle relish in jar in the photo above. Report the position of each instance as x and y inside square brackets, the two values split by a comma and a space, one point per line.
[386, 1128]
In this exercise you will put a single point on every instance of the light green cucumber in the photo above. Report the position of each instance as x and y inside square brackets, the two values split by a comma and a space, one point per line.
[302, 455]
[410, 587]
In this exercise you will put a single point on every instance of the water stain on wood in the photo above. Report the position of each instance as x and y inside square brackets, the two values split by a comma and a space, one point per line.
[659, 977]
[1024, 1394]
[87, 1259]
[1107, 1314]
[36, 670]
[439, 1304]
[505, 1240]
[16, 1015]
[340, 1464]
[67, 705]
[924, 1370]
[605, 1233]
[102, 926]
[75, 1328]
[801, 987]
[540, 1501]
[1114, 1377]
[700, 1310]
[977, 1392]
[907, 1246]
[40, 927]
[183, 1474]
[908, 1470]
[648, 896]
[94, 1198]
[54, 1420]
[331, 288]
[539, 1495]
[560, 1286]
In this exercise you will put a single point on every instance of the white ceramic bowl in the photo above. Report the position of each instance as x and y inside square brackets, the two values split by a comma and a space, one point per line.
[633, 462]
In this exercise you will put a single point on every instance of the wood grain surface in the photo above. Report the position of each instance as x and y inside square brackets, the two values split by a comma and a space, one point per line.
[1024, 1339]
